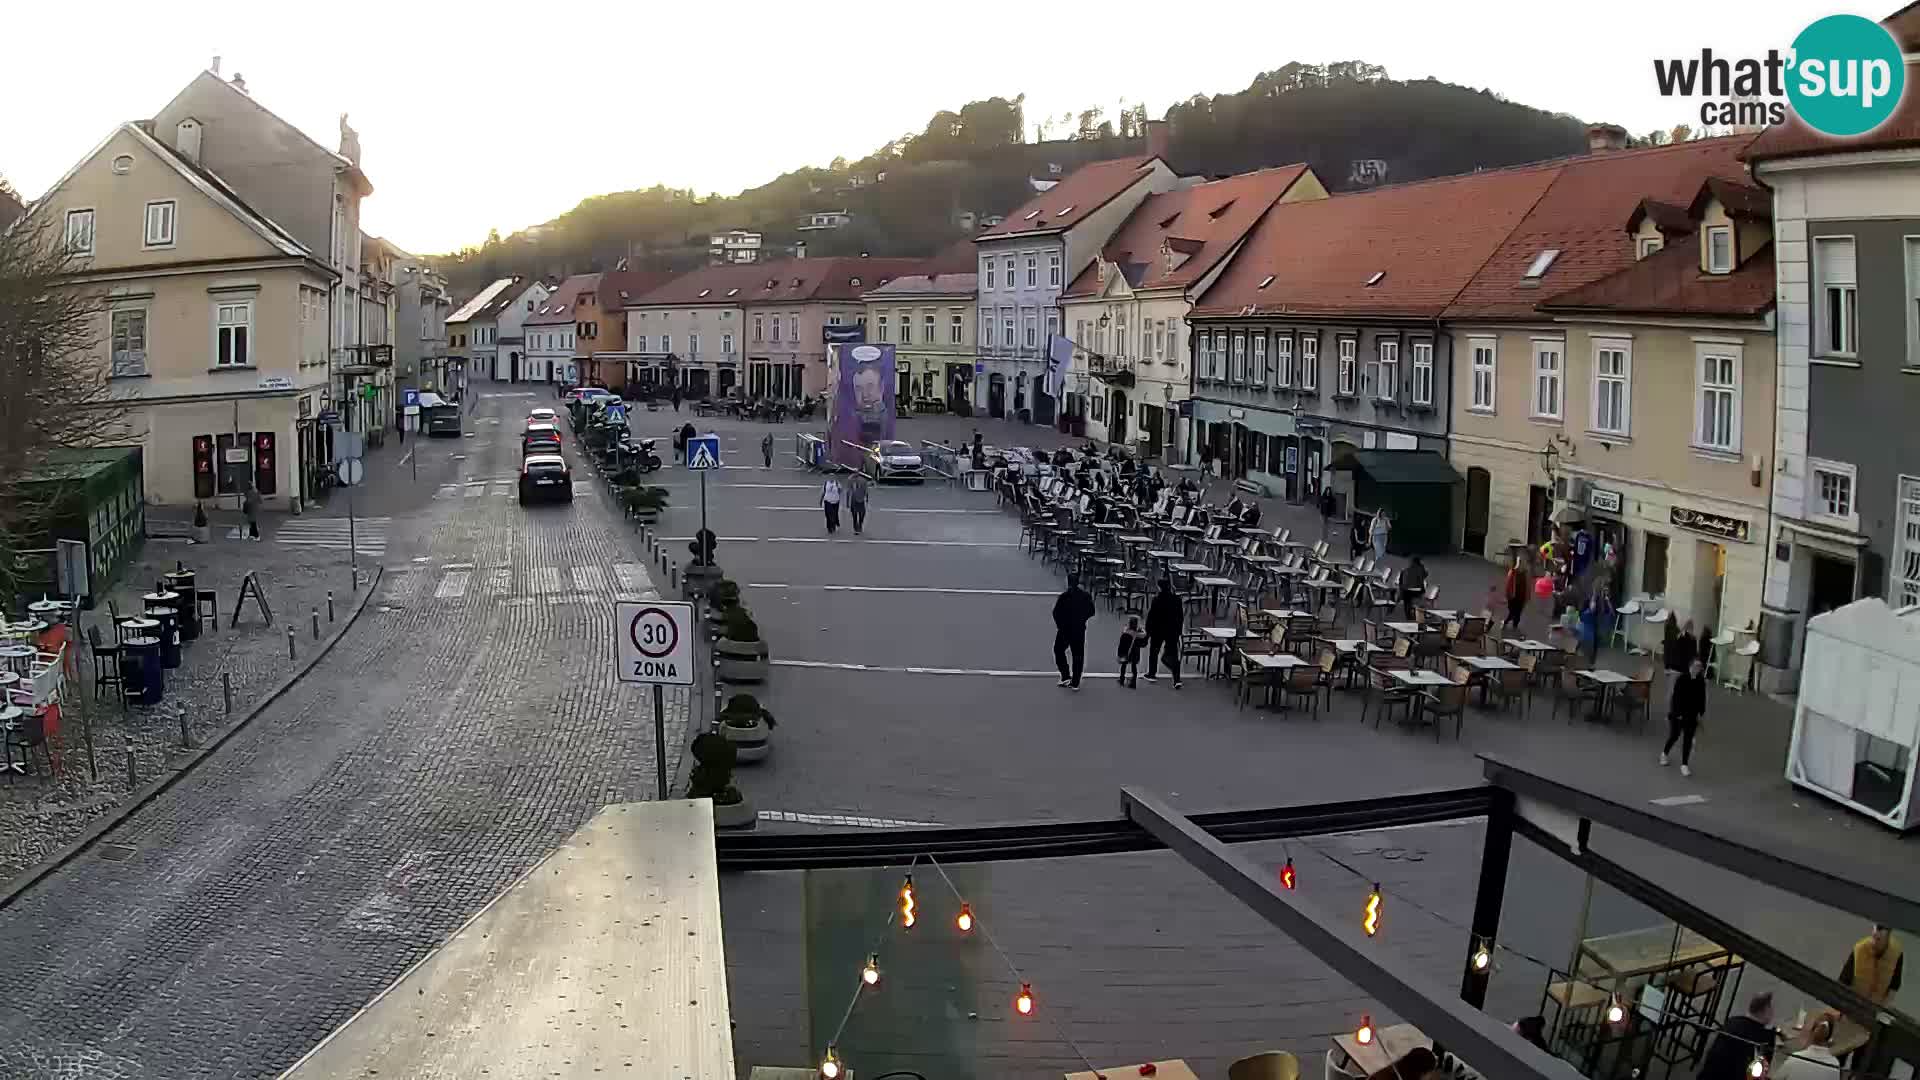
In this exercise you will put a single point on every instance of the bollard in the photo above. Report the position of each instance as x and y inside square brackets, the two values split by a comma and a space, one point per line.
[316, 623]
[290, 654]
[226, 690]
[329, 605]
[186, 738]
[673, 576]
[132, 779]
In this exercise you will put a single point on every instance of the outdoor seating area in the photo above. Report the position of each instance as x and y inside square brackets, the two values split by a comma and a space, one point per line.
[36, 660]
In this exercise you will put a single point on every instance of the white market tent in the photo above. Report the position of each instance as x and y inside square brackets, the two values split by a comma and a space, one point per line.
[1856, 728]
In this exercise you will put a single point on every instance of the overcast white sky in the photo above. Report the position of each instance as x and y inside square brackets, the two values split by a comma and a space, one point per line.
[495, 115]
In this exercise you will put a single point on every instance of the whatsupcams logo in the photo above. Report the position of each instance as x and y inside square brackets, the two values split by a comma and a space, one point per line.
[1843, 76]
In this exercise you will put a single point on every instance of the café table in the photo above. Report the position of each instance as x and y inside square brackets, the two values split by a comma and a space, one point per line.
[1166, 556]
[1444, 615]
[1483, 666]
[25, 628]
[1188, 568]
[9, 723]
[18, 658]
[1420, 678]
[1522, 646]
[1389, 1045]
[1404, 629]
[1217, 547]
[1608, 682]
[1633, 954]
[49, 609]
[1280, 662]
[1214, 586]
[1170, 1069]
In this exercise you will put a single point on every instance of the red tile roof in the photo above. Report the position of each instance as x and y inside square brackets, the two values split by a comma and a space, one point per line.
[1669, 282]
[1069, 202]
[617, 287]
[558, 309]
[1581, 215]
[1204, 221]
[1795, 139]
[708, 285]
[1426, 239]
[792, 281]
[1905, 26]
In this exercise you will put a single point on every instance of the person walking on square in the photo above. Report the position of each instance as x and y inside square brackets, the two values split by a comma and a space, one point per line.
[1165, 617]
[1381, 525]
[1683, 715]
[1133, 641]
[1070, 614]
[766, 449]
[1413, 583]
[1515, 590]
[857, 491]
[830, 495]
[250, 506]
[1206, 460]
[1326, 511]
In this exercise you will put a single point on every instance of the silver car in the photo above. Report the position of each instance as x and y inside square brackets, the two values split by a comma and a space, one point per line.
[894, 460]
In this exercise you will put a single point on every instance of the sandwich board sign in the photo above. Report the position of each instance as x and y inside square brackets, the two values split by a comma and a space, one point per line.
[656, 642]
[703, 452]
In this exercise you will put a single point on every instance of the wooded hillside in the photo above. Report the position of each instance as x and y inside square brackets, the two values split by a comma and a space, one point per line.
[1335, 117]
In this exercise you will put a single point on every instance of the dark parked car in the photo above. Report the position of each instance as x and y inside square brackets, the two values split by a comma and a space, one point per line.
[545, 476]
[540, 439]
[442, 419]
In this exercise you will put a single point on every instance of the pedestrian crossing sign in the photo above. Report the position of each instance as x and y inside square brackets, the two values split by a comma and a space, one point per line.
[703, 452]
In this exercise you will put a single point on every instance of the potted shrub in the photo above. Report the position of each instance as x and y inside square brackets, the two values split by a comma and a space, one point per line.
[723, 597]
[748, 726]
[712, 778]
[741, 654]
[202, 531]
[643, 501]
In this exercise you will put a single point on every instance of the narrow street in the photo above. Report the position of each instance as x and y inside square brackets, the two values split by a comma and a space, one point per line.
[452, 739]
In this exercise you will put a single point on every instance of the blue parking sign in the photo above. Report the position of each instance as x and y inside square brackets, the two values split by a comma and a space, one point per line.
[703, 452]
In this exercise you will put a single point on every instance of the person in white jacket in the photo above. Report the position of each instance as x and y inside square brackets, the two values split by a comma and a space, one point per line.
[830, 495]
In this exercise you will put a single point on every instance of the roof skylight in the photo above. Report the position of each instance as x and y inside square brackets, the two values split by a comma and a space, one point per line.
[704, 292]
[1375, 279]
[1031, 214]
[1064, 211]
[1265, 281]
[1542, 262]
[733, 292]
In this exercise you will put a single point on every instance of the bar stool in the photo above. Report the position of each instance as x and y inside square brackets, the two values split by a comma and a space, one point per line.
[106, 666]
[207, 605]
[1622, 637]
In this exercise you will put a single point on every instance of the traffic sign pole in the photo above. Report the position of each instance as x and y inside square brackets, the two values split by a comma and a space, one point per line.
[660, 740]
[703, 507]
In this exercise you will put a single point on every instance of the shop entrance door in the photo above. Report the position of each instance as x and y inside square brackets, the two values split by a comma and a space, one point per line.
[997, 397]
[1479, 487]
[1709, 583]
[1539, 511]
[1832, 585]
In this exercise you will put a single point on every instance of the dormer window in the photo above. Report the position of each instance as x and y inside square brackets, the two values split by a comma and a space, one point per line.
[1167, 222]
[733, 292]
[1375, 279]
[1719, 241]
[1541, 263]
[796, 283]
[1265, 281]
[1217, 211]
[704, 293]
[856, 283]
[1649, 245]
[1063, 211]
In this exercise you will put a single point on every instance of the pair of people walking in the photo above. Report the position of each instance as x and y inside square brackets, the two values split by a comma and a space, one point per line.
[854, 492]
[1159, 639]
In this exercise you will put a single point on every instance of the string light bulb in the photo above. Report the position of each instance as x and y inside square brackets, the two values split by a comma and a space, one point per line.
[1616, 1010]
[1364, 1036]
[1370, 922]
[964, 920]
[870, 971]
[1482, 957]
[830, 1065]
[1023, 1001]
[1757, 1068]
[907, 918]
[1286, 875]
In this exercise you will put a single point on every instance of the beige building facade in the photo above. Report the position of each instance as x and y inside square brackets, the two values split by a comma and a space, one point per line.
[929, 319]
[213, 325]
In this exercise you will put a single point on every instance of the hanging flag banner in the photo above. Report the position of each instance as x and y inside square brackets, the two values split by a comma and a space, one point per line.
[863, 402]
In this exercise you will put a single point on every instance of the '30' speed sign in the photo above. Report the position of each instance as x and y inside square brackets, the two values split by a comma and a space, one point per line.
[656, 642]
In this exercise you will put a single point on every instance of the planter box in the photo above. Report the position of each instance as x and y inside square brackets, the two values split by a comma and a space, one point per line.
[699, 579]
[752, 743]
[741, 661]
[740, 815]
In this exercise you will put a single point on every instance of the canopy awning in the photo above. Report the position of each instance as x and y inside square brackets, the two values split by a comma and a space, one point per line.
[1401, 467]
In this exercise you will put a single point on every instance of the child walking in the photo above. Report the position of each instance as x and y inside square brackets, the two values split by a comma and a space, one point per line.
[1132, 641]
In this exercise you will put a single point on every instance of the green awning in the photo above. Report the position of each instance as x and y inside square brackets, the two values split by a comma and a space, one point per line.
[1401, 467]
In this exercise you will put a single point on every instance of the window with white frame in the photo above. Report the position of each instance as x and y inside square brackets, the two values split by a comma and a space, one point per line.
[1119, 339]
[1719, 249]
[1344, 378]
[232, 333]
[693, 344]
[1546, 379]
[1612, 385]
[1237, 372]
[1053, 268]
[793, 329]
[1006, 328]
[79, 234]
[130, 342]
[880, 329]
[666, 340]
[726, 344]
[1309, 365]
[1830, 493]
[927, 327]
[1386, 383]
[956, 328]
[906, 328]
[1717, 426]
[1033, 270]
[1053, 324]
[1836, 322]
[760, 328]
[1482, 373]
[1283, 360]
[1423, 373]
[1906, 558]
[1648, 245]
[1010, 272]
[775, 328]
[1211, 346]
[986, 273]
[1259, 373]
[1032, 328]
[1160, 339]
[986, 330]
[160, 220]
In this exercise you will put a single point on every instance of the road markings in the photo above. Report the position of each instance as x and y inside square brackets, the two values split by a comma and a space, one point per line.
[888, 510]
[907, 589]
[453, 586]
[631, 578]
[368, 534]
[845, 821]
[499, 581]
[544, 579]
[888, 669]
[476, 489]
[1679, 800]
[589, 578]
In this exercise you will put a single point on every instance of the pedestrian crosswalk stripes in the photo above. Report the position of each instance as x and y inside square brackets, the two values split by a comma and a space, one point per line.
[453, 586]
[552, 584]
[589, 578]
[368, 535]
[631, 579]
[496, 488]
[545, 579]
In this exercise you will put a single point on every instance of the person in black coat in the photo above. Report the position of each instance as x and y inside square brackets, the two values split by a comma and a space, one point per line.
[1734, 1047]
[1165, 616]
[1682, 649]
[1070, 614]
[1683, 715]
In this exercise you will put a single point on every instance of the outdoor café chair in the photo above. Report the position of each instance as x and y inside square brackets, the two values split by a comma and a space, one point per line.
[1200, 647]
[1431, 645]
[1443, 702]
[1635, 697]
[28, 736]
[1252, 676]
[106, 666]
[1327, 672]
[1303, 685]
[1508, 686]
[1384, 692]
[1570, 691]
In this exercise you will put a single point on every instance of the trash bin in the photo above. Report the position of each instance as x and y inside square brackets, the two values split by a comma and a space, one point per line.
[182, 581]
[169, 635]
[146, 679]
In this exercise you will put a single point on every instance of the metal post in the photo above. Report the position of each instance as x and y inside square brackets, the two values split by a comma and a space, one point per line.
[186, 738]
[329, 605]
[132, 777]
[290, 653]
[1487, 900]
[703, 508]
[226, 690]
[673, 576]
[353, 542]
[660, 740]
[316, 623]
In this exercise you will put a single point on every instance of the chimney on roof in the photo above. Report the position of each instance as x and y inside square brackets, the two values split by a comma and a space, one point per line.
[186, 139]
[1602, 138]
[1157, 139]
[216, 66]
[800, 250]
[239, 82]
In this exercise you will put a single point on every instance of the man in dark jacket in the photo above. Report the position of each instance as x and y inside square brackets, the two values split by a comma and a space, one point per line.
[1070, 614]
[1683, 717]
[1734, 1048]
[1164, 618]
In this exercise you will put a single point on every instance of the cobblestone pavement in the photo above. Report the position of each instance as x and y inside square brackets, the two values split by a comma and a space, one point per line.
[453, 738]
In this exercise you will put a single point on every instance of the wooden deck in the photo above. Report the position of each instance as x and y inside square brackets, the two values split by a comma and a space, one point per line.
[605, 957]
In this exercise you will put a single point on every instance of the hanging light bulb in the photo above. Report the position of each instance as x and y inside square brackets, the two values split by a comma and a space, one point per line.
[1364, 1036]
[1757, 1068]
[1286, 875]
[907, 918]
[1370, 922]
[964, 920]
[1482, 957]
[1023, 1001]
[830, 1065]
[870, 971]
[1616, 1010]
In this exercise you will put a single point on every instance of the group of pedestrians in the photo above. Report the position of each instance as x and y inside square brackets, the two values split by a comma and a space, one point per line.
[854, 491]
[1159, 639]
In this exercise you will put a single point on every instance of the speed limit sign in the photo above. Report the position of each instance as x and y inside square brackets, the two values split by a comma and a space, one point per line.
[656, 642]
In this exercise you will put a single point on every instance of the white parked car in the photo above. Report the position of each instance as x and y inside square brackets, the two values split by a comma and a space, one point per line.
[894, 460]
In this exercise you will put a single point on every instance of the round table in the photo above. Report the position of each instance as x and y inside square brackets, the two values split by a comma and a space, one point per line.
[9, 723]
[140, 667]
[49, 608]
[18, 658]
[182, 581]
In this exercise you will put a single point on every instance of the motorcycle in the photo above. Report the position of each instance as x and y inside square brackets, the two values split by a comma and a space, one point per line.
[649, 459]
